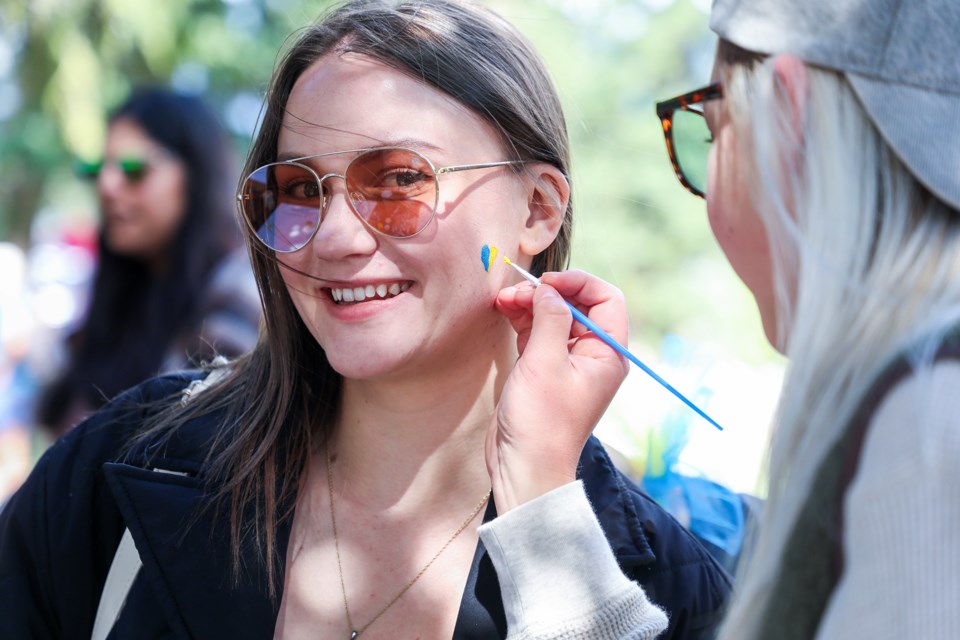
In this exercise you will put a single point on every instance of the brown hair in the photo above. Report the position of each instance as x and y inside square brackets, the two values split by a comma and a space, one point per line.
[280, 400]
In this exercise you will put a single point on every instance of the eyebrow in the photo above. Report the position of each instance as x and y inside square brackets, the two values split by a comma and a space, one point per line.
[409, 143]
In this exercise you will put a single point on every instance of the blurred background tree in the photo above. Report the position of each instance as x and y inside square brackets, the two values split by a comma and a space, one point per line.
[64, 64]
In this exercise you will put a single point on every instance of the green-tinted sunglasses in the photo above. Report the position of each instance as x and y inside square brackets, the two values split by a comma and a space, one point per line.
[134, 168]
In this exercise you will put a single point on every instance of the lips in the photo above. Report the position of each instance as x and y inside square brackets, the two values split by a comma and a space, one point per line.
[371, 291]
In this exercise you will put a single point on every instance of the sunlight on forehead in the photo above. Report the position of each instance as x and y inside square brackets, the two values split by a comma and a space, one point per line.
[351, 103]
[415, 144]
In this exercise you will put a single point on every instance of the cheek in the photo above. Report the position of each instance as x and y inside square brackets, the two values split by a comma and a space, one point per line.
[721, 210]
[739, 229]
[301, 291]
[484, 261]
[166, 202]
[730, 209]
[474, 240]
[290, 266]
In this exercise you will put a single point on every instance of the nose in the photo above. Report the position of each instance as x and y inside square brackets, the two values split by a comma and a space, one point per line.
[341, 233]
[110, 181]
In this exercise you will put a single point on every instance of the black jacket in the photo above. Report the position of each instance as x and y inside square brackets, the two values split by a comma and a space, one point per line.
[59, 533]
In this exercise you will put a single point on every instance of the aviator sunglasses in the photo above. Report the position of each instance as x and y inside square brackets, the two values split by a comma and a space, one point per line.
[133, 167]
[393, 190]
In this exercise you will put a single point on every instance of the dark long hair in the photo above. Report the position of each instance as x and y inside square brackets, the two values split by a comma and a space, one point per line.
[135, 314]
[280, 401]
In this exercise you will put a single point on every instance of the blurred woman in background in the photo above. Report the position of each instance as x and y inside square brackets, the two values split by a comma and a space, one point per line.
[171, 287]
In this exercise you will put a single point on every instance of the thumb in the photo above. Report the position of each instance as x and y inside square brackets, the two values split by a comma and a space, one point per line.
[550, 331]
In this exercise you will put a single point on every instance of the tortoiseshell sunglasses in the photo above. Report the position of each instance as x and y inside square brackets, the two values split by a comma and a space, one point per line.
[688, 137]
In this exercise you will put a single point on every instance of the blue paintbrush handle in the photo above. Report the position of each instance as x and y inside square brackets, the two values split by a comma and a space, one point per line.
[619, 348]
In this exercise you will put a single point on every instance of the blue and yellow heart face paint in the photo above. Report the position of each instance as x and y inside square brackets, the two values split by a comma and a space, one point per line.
[488, 255]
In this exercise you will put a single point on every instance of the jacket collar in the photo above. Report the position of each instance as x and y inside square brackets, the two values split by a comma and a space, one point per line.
[185, 548]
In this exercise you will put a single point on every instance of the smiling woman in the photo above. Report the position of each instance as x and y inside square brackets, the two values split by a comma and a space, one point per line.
[407, 451]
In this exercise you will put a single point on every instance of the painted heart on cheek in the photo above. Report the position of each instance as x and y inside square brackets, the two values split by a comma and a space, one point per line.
[488, 255]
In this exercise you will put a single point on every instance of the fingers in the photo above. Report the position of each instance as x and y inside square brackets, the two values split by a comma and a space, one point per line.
[516, 304]
[550, 330]
[537, 311]
[602, 302]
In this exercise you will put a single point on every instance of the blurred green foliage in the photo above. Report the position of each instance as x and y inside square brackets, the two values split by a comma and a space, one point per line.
[65, 63]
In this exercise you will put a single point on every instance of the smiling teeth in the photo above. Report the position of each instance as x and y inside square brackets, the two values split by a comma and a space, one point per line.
[370, 291]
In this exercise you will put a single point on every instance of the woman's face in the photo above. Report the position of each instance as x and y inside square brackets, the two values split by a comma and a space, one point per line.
[735, 221]
[444, 311]
[142, 190]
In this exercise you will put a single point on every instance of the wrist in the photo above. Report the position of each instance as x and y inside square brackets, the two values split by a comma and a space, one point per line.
[518, 483]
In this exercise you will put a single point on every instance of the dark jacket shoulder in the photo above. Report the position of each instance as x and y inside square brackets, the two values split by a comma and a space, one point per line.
[59, 532]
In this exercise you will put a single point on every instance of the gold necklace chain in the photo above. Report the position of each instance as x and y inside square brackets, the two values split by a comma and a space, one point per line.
[354, 632]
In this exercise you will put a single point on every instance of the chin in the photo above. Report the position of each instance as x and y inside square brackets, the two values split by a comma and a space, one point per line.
[351, 365]
[125, 250]
[128, 247]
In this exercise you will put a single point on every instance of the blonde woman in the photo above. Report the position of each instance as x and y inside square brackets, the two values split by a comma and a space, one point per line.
[828, 151]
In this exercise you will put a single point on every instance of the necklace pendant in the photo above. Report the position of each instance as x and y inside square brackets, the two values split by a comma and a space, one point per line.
[354, 634]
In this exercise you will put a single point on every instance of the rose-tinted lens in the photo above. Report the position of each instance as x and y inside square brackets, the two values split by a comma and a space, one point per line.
[692, 140]
[393, 190]
[282, 202]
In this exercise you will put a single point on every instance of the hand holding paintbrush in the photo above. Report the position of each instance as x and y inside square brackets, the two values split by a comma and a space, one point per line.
[617, 346]
[558, 389]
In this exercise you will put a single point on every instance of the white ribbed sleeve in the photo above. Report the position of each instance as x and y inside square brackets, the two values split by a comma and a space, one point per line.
[558, 577]
[902, 519]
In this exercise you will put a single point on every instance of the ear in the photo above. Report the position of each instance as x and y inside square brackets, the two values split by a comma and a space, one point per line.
[548, 194]
[792, 80]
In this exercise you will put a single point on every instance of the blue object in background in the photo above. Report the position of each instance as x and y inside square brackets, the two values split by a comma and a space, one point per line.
[715, 514]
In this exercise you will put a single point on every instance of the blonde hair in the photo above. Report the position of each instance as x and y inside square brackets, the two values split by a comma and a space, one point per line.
[865, 265]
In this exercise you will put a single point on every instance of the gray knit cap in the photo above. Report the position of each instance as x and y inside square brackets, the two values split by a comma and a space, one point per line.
[902, 58]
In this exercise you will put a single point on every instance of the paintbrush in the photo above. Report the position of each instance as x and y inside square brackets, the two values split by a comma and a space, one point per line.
[619, 348]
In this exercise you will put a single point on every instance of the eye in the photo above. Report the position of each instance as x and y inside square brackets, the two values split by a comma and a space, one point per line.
[403, 177]
[301, 189]
[133, 168]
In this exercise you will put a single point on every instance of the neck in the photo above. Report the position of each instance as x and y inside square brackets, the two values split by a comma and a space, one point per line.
[158, 265]
[418, 441]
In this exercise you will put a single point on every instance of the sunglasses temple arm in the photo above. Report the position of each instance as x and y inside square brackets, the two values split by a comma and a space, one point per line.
[483, 165]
